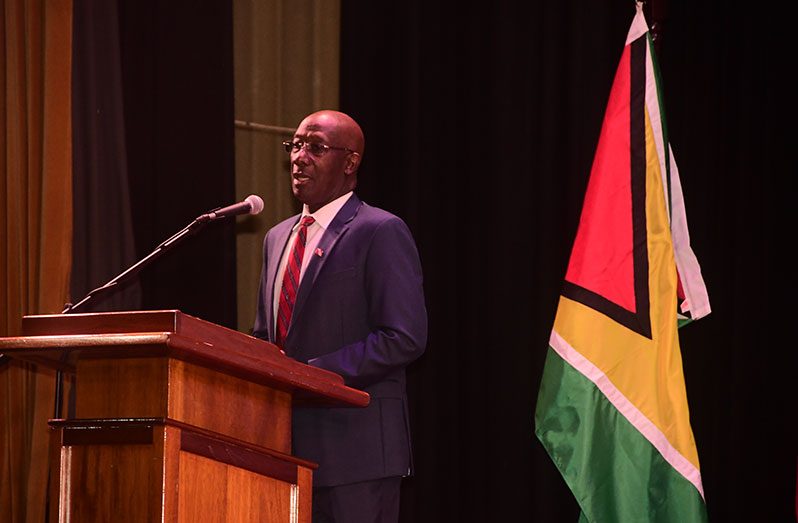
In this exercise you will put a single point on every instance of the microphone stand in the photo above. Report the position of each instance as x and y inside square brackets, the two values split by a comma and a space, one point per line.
[192, 228]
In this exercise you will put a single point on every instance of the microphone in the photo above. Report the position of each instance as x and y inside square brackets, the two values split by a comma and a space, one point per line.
[253, 204]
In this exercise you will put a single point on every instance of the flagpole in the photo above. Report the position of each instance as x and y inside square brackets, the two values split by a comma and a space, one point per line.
[656, 14]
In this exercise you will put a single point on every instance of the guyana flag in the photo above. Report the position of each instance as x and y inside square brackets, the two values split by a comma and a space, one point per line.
[612, 407]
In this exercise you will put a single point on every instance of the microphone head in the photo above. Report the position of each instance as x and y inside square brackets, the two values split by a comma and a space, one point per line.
[255, 203]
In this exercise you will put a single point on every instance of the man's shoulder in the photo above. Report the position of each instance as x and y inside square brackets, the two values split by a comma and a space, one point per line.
[374, 224]
[376, 215]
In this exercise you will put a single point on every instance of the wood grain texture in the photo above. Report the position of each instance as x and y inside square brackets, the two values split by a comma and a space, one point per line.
[122, 388]
[178, 419]
[157, 469]
[169, 388]
[303, 505]
[217, 492]
[241, 409]
[61, 341]
[119, 482]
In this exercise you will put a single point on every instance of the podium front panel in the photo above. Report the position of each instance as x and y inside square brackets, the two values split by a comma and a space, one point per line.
[160, 387]
[152, 470]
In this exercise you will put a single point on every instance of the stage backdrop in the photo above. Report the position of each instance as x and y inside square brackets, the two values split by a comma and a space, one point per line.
[481, 123]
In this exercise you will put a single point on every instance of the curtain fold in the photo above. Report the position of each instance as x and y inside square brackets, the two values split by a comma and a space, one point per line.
[35, 230]
[103, 241]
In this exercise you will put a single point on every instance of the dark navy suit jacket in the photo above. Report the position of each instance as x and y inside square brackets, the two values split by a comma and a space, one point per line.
[360, 312]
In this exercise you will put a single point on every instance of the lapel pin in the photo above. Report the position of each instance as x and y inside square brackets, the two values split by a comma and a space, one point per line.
[319, 252]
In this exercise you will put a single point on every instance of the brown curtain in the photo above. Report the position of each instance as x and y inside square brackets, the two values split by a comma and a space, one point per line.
[35, 230]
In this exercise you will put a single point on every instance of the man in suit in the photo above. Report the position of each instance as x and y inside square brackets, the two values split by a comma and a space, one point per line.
[343, 291]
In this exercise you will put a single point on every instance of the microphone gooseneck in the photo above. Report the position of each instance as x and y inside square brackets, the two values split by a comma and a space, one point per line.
[253, 204]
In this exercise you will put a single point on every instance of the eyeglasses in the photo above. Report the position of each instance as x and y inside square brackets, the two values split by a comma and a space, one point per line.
[314, 148]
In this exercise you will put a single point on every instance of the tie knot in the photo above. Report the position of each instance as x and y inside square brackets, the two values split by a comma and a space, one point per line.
[306, 221]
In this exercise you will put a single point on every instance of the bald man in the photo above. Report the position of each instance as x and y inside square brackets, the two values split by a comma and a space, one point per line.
[349, 300]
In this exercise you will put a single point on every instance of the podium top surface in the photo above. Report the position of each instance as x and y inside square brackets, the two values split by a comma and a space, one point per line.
[60, 340]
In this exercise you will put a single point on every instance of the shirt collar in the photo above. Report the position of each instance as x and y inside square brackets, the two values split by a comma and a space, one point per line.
[324, 216]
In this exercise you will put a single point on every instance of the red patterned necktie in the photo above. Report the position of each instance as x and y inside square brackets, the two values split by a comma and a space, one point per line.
[291, 280]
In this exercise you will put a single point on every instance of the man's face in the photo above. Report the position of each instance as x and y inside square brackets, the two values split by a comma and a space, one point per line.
[316, 180]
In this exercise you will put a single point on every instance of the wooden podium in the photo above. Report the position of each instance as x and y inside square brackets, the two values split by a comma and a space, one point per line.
[176, 419]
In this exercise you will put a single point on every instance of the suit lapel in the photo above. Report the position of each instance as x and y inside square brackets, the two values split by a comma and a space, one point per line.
[334, 232]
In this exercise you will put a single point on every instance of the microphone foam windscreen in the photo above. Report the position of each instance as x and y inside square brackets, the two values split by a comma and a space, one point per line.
[255, 202]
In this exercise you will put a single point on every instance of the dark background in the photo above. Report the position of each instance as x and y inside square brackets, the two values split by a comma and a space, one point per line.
[481, 122]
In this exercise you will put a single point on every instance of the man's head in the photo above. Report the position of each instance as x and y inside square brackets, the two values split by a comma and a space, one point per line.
[326, 153]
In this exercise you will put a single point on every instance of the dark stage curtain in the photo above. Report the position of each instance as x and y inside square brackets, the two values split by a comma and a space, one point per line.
[481, 121]
[177, 72]
[153, 150]
[102, 243]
